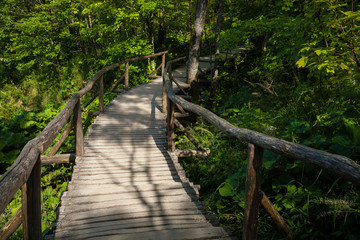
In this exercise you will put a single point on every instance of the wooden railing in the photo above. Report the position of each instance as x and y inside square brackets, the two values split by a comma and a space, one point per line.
[25, 173]
[257, 143]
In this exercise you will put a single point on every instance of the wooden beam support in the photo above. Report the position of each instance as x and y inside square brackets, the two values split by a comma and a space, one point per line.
[181, 89]
[276, 217]
[181, 115]
[339, 165]
[192, 153]
[252, 192]
[11, 226]
[58, 159]
[79, 134]
[117, 83]
[153, 74]
[31, 204]
[188, 135]
[181, 109]
[90, 101]
[127, 76]
[62, 139]
[101, 94]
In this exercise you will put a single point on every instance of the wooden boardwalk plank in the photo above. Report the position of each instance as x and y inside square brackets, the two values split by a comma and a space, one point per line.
[126, 185]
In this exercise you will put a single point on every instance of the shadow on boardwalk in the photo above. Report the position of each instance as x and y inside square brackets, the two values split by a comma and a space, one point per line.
[126, 186]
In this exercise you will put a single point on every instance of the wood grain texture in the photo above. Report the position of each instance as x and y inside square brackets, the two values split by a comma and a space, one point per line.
[338, 165]
[11, 226]
[58, 159]
[62, 138]
[79, 134]
[126, 183]
[252, 192]
[31, 204]
[101, 94]
[20, 171]
[276, 217]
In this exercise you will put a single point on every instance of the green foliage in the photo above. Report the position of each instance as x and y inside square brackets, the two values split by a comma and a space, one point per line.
[298, 80]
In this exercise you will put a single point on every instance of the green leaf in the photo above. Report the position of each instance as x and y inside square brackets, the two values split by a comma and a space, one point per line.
[302, 62]
[24, 124]
[227, 190]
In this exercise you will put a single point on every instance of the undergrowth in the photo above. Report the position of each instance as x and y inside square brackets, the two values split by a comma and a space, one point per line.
[22, 125]
[314, 203]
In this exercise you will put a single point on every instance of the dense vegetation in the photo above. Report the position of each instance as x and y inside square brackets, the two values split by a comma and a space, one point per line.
[298, 79]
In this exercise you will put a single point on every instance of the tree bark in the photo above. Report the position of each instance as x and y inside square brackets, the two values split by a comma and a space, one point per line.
[194, 51]
[219, 5]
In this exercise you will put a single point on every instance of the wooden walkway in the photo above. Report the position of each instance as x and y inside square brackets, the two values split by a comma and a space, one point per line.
[127, 186]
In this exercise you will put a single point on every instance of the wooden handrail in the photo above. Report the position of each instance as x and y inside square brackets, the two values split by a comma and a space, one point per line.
[21, 172]
[339, 165]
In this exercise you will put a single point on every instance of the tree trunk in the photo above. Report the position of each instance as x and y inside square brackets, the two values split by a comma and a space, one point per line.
[194, 51]
[219, 6]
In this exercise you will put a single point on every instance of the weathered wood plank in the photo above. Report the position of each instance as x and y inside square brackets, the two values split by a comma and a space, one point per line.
[117, 83]
[31, 204]
[188, 135]
[58, 159]
[160, 194]
[276, 217]
[125, 202]
[122, 179]
[131, 188]
[90, 101]
[79, 134]
[148, 171]
[170, 126]
[165, 234]
[121, 175]
[132, 227]
[62, 139]
[137, 212]
[111, 230]
[252, 192]
[101, 94]
[11, 226]
[126, 75]
[134, 222]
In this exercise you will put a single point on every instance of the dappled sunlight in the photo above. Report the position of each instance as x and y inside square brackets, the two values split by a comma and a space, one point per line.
[126, 182]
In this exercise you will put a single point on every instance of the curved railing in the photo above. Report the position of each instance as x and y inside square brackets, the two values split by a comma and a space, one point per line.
[25, 172]
[258, 142]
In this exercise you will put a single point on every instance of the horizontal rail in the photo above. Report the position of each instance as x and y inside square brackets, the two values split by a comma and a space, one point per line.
[21, 169]
[341, 166]
[257, 142]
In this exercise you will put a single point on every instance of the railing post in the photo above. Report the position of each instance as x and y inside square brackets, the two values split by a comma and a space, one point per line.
[164, 98]
[170, 119]
[170, 126]
[101, 94]
[163, 65]
[79, 135]
[31, 204]
[252, 192]
[127, 76]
